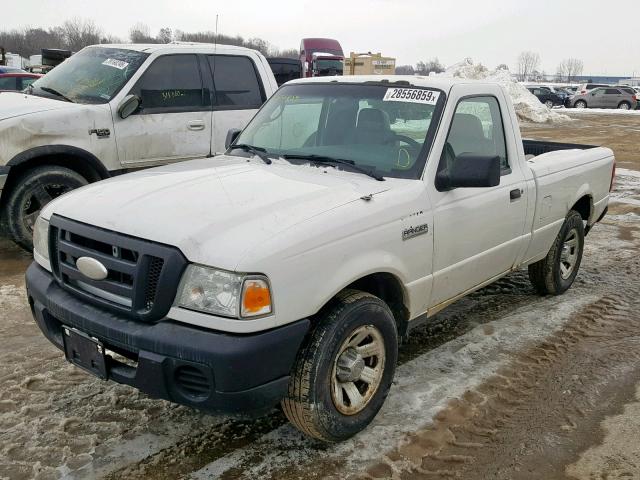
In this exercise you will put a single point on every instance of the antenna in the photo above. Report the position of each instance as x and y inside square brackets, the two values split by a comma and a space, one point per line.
[215, 42]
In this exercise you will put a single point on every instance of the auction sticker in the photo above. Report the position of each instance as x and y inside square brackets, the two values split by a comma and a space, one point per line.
[112, 62]
[412, 95]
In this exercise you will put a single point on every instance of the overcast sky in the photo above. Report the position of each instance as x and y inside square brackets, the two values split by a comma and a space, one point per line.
[603, 34]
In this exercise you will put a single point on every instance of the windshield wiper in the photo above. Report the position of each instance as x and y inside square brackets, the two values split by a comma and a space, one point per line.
[257, 151]
[325, 160]
[56, 93]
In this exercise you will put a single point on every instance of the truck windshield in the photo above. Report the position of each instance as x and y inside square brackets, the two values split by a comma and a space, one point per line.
[93, 75]
[326, 67]
[382, 128]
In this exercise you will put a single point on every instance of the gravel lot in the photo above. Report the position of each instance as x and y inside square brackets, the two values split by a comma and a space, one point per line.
[504, 384]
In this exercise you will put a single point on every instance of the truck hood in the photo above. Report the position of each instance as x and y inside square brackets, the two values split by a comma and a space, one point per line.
[16, 104]
[216, 209]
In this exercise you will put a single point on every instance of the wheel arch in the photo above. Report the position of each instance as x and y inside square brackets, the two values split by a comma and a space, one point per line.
[584, 206]
[390, 289]
[74, 158]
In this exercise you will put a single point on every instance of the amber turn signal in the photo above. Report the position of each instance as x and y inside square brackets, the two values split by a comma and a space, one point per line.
[256, 297]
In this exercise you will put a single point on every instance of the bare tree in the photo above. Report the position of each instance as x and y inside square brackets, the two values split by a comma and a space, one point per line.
[425, 68]
[258, 44]
[569, 69]
[405, 70]
[79, 32]
[110, 39]
[165, 35]
[30, 41]
[528, 62]
[286, 53]
[140, 33]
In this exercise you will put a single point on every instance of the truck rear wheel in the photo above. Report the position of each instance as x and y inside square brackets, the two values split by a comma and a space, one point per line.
[555, 273]
[344, 370]
[32, 191]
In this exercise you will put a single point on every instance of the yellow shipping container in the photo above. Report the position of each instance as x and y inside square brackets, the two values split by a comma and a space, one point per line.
[369, 64]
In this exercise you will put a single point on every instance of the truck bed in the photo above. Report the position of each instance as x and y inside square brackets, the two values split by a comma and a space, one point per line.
[533, 148]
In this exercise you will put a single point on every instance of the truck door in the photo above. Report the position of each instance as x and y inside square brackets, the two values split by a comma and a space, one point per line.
[477, 231]
[238, 94]
[173, 122]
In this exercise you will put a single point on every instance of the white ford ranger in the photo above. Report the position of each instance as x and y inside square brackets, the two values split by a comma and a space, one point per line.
[347, 212]
[110, 109]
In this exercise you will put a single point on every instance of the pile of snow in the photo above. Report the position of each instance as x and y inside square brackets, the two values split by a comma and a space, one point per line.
[528, 107]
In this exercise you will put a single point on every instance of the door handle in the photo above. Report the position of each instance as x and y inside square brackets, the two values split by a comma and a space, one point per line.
[515, 194]
[195, 125]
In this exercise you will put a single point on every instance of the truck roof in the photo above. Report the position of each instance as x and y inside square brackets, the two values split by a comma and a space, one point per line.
[176, 46]
[442, 83]
[310, 45]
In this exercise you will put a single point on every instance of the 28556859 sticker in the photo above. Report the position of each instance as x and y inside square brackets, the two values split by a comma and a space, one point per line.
[411, 95]
[112, 62]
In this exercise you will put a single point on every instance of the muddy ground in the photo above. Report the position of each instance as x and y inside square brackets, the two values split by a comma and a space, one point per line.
[504, 384]
[619, 132]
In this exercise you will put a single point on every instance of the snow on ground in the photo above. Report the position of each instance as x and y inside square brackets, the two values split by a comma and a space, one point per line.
[527, 106]
[600, 111]
[422, 387]
[627, 187]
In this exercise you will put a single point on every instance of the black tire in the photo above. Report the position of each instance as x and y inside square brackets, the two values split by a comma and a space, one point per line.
[547, 275]
[310, 404]
[32, 191]
[580, 102]
[624, 106]
[549, 104]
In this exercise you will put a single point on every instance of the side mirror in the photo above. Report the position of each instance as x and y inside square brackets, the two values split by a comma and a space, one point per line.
[232, 134]
[470, 170]
[129, 105]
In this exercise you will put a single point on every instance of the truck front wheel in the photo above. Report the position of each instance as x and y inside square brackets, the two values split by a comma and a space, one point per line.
[345, 368]
[31, 192]
[555, 273]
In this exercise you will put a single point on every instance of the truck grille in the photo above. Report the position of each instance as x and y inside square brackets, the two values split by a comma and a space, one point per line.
[142, 276]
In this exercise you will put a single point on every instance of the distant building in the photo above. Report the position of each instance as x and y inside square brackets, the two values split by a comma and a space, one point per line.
[634, 82]
[369, 64]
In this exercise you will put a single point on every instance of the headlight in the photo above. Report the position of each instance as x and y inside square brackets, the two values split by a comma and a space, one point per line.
[224, 293]
[41, 241]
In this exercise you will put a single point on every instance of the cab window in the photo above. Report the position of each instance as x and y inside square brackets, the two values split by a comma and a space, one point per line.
[8, 83]
[476, 128]
[236, 82]
[172, 83]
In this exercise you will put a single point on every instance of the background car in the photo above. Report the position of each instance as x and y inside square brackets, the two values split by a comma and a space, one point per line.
[608, 97]
[546, 96]
[585, 87]
[632, 91]
[4, 69]
[17, 81]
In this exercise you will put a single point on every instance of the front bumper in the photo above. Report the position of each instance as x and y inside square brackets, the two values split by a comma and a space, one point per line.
[243, 373]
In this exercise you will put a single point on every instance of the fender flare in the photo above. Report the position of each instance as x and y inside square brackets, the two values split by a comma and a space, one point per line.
[47, 150]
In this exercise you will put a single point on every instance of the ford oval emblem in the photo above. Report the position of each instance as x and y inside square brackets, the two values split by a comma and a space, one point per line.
[92, 268]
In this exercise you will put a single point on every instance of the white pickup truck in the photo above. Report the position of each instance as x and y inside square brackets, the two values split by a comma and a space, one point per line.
[110, 109]
[347, 212]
